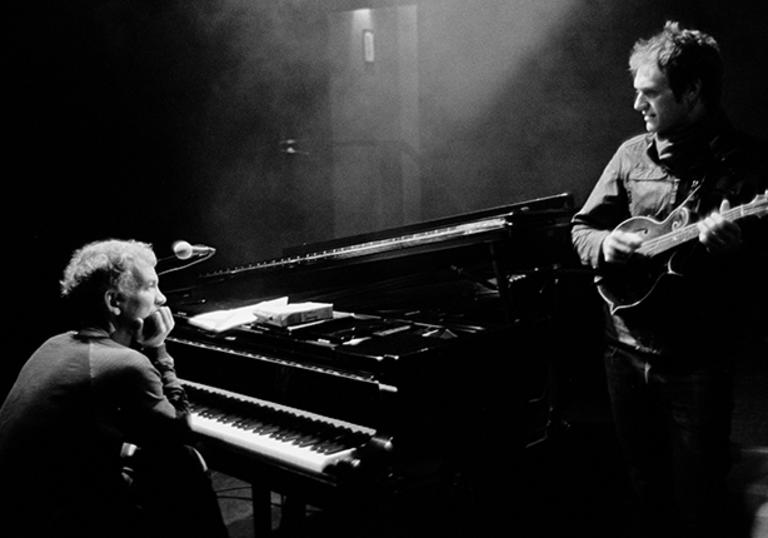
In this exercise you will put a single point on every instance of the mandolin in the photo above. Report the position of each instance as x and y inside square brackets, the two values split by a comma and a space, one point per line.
[626, 286]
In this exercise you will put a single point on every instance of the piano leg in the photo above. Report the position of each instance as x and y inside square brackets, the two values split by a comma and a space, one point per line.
[292, 513]
[261, 499]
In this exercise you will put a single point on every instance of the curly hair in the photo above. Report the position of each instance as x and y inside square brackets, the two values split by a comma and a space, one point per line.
[685, 56]
[100, 266]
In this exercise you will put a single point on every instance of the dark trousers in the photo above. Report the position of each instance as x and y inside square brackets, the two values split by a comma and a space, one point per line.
[673, 424]
[172, 490]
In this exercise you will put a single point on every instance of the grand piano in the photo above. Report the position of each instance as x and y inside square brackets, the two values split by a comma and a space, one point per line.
[432, 371]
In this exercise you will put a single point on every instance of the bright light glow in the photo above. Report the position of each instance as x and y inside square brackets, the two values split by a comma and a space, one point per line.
[361, 19]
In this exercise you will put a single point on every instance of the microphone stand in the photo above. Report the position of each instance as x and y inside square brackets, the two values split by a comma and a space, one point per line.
[186, 265]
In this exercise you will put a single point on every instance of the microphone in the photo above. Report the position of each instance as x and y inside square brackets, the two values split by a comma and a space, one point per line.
[183, 250]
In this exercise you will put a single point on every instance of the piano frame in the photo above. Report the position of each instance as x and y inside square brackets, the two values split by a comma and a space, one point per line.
[508, 240]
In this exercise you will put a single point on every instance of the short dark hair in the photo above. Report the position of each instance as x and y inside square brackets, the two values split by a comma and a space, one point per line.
[685, 56]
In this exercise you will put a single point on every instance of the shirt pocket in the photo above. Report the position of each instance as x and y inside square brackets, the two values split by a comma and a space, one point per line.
[650, 191]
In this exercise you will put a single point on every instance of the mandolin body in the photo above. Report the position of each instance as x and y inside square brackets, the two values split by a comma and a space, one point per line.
[660, 256]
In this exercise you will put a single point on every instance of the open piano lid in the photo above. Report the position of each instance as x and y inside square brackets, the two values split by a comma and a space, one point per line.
[367, 265]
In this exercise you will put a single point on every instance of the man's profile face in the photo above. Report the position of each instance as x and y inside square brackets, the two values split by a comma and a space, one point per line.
[654, 99]
[144, 296]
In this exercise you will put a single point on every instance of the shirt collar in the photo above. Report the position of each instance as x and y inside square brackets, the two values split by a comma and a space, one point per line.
[685, 148]
[91, 332]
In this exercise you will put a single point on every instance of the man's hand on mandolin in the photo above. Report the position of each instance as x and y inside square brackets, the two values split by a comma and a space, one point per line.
[619, 246]
[718, 234]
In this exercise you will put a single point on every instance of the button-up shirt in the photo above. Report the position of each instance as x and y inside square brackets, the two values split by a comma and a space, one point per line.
[650, 177]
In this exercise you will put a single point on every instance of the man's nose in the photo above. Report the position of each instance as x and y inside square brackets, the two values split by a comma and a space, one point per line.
[640, 102]
[160, 299]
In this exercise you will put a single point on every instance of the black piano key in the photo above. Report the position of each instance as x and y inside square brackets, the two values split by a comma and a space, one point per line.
[291, 435]
[329, 448]
[307, 441]
[266, 429]
[311, 439]
[248, 423]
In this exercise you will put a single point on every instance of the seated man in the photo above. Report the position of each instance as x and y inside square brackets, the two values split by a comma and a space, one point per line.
[86, 399]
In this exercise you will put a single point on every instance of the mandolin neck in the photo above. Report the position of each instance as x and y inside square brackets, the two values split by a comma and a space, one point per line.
[684, 234]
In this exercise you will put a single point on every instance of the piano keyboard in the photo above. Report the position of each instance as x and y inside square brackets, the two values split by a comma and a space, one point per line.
[293, 436]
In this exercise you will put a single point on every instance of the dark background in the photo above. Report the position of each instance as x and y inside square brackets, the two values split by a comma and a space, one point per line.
[162, 120]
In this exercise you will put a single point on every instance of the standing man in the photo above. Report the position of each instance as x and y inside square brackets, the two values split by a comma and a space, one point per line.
[86, 399]
[672, 338]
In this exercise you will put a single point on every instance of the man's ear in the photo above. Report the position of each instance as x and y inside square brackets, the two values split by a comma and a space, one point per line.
[692, 94]
[113, 301]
